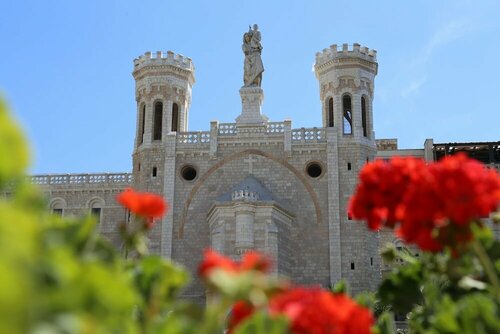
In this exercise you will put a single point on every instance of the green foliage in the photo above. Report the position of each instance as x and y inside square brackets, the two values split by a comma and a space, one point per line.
[446, 293]
[261, 322]
[340, 287]
[401, 289]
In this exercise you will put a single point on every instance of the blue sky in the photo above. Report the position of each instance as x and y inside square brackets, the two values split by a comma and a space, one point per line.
[66, 68]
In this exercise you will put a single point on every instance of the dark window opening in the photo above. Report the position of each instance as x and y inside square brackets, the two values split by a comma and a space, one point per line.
[154, 171]
[188, 173]
[330, 112]
[363, 116]
[314, 170]
[371, 261]
[347, 109]
[142, 124]
[157, 125]
[138, 167]
[57, 212]
[367, 159]
[348, 166]
[352, 265]
[175, 117]
[96, 212]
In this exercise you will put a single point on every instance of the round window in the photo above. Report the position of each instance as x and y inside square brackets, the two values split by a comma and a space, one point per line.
[314, 169]
[188, 173]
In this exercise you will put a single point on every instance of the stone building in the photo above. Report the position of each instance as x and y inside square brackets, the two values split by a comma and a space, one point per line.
[254, 183]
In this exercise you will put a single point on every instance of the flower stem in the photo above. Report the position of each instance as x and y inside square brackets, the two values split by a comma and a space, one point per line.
[488, 267]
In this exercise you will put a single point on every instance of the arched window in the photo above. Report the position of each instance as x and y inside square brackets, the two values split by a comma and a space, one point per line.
[363, 116]
[96, 205]
[142, 122]
[330, 112]
[57, 206]
[158, 121]
[347, 108]
[175, 117]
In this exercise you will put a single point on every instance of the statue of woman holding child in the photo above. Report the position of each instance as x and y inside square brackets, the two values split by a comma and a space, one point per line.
[253, 67]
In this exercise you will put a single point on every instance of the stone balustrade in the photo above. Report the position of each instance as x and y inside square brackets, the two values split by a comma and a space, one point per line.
[227, 129]
[244, 195]
[79, 179]
[306, 135]
[275, 127]
[193, 138]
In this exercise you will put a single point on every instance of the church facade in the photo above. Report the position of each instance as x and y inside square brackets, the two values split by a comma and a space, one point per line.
[254, 184]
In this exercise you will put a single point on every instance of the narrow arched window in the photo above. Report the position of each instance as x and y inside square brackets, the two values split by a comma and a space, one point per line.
[142, 122]
[158, 118]
[96, 206]
[347, 108]
[57, 206]
[330, 112]
[363, 116]
[175, 117]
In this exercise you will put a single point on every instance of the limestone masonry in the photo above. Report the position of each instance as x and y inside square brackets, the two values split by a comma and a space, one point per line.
[252, 184]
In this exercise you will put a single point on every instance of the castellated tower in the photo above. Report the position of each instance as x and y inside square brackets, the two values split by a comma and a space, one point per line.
[346, 80]
[163, 84]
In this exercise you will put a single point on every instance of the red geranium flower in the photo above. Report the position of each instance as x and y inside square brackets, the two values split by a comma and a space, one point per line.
[146, 205]
[316, 311]
[250, 261]
[255, 261]
[433, 205]
[239, 312]
[213, 260]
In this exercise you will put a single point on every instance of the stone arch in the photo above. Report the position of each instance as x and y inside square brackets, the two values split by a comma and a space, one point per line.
[57, 203]
[96, 202]
[95, 206]
[397, 242]
[234, 156]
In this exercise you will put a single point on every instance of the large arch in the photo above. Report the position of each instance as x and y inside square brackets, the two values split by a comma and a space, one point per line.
[238, 155]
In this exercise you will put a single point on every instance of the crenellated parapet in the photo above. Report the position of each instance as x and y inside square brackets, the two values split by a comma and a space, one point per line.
[160, 58]
[345, 50]
[345, 55]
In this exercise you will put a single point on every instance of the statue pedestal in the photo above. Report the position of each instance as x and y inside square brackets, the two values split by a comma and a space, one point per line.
[251, 100]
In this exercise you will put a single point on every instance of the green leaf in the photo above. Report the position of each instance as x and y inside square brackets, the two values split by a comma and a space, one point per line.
[401, 289]
[262, 323]
[366, 299]
[385, 323]
[388, 253]
[340, 287]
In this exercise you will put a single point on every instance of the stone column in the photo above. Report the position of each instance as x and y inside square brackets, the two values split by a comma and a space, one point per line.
[244, 229]
[214, 131]
[168, 191]
[218, 237]
[287, 140]
[272, 244]
[333, 207]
